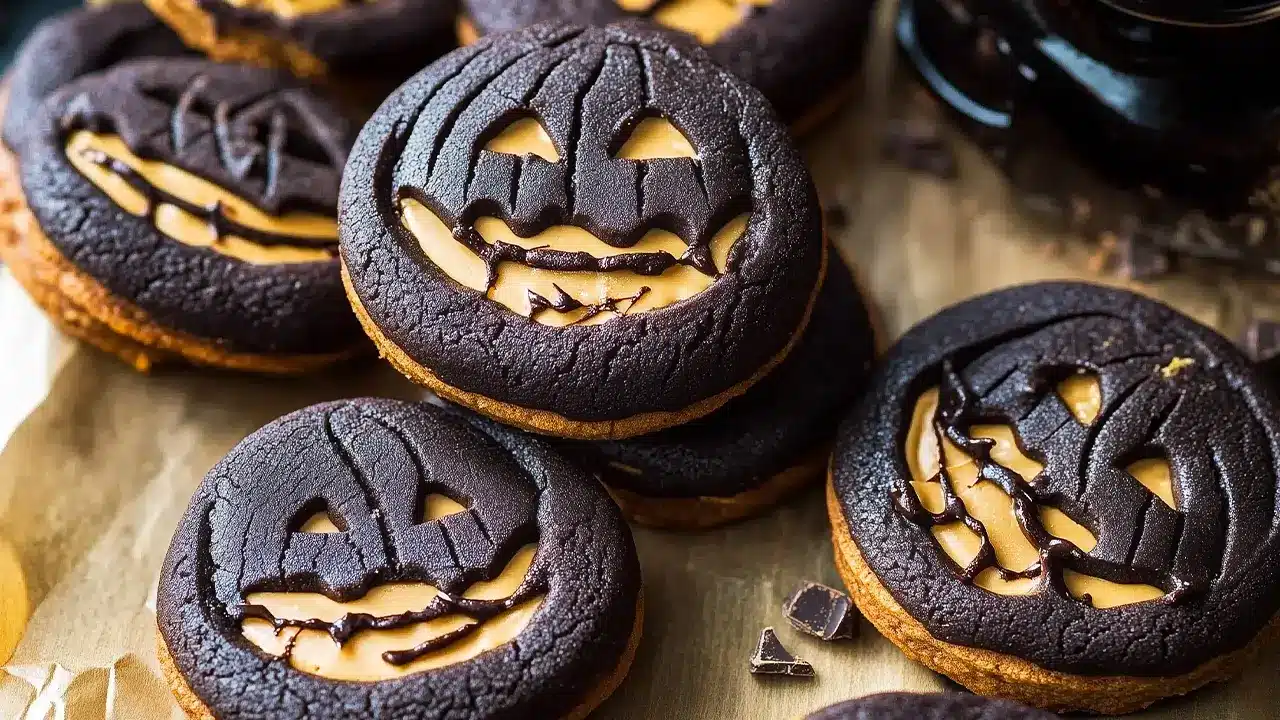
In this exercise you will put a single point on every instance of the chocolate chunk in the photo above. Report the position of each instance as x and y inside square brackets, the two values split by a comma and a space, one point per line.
[822, 612]
[919, 145]
[773, 659]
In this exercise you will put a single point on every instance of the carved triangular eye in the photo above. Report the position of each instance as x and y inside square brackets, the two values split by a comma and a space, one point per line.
[654, 138]
[436, 506]
[525, 136]
[318, 519]
[1082, 394]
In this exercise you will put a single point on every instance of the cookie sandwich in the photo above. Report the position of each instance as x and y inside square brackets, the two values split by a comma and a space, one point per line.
[591, 233]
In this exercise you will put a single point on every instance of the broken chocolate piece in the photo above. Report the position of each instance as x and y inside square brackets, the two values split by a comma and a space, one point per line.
[822, 612]
[773, 659]
[919, 145]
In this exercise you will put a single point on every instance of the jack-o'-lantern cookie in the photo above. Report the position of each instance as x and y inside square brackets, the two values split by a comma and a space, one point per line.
[374, 558]
[584, 232]
[74, 44]
[760, 448]
[1064, 495]
[802, 54]
[316, 37]
[179, 209]
[921, 706]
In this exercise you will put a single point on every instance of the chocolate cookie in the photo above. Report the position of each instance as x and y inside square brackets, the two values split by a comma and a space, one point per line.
[77, 43]
[1102, 530]
[317, 38]
[584, 232]
[919, 706]
[186, 210]
[753, 452]
[802, 54]
[376, 558]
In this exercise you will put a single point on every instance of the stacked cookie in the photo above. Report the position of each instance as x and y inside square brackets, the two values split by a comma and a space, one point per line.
[167, 208]
[600, 235]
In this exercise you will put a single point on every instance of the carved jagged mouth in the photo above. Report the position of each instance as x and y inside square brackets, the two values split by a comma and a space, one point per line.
[394, 629]
[195, 212]
[564, 275]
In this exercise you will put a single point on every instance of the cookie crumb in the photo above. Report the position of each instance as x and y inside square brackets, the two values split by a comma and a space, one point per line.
[1175, 366]
[823, 612]
[771, 658]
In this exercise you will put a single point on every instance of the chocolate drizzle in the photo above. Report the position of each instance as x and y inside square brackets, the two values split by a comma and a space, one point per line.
[346, 627]
[957, 411]
[648, 264]
[213, 215]
[565, 303]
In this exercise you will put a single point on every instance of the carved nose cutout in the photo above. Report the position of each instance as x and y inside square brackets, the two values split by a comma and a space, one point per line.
[654, 138]
[525, 136]
[436, 506]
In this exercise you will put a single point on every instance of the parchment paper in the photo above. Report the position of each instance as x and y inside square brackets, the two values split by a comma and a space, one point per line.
[93, 482]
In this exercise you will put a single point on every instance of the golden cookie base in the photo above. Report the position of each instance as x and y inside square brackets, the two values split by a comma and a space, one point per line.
[82, 308]
[546, 422]
[996, 675]
[195, 709]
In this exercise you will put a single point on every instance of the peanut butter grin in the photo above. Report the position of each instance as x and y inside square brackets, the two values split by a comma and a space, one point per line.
[585, 232]
[1073, 484]
[184, 210]
[397, 560]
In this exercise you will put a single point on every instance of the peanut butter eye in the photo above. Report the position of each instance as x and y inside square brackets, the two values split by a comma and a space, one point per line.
[654, 138]
[526, 136]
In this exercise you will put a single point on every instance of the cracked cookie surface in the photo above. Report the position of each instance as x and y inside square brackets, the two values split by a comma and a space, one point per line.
[1064, 494]
[192, 206]
[381, 558]
[585, 232]
[802, 54]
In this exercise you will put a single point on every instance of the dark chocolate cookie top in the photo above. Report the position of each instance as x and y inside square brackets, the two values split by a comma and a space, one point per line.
[76, 43]
[464, 570]
[352, 36]
[227, 177]
[597, 222]
[789, 419]
[1108, 498]
[799, 53]
[918, 706]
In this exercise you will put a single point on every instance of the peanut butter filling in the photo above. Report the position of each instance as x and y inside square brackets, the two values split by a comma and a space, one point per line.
[361, 657]
[110, 165]
[990, 505]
